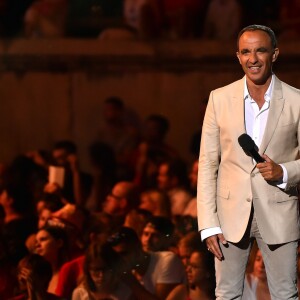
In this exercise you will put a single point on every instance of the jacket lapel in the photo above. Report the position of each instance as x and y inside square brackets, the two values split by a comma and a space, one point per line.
[276, 107]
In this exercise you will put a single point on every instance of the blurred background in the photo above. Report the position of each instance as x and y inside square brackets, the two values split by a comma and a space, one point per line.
[61, 59]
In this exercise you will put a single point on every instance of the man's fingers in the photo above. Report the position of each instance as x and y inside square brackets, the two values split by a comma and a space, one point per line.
[212, 244]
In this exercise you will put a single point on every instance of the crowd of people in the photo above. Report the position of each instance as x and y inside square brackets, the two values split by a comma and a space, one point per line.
[110, 233]
[145, 19]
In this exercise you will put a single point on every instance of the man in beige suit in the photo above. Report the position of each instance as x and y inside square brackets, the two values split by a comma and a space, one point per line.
[238, 200]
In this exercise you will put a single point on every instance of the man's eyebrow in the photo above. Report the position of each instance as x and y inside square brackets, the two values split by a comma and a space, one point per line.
[245, 50]
[262, 49]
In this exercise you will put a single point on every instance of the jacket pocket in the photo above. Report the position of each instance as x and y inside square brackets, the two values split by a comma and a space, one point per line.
[281, 197]
[223, 192]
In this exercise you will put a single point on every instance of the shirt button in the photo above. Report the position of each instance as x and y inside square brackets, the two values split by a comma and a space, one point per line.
[248, 200]
[252, 175]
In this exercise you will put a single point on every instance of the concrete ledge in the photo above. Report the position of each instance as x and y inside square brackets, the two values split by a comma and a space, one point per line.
[62, 55]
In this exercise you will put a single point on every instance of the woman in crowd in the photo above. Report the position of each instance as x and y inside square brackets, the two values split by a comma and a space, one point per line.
[157, 202]
[200, 274]
[256, 285]
[52, 244]
[102, 274]
[34, 275]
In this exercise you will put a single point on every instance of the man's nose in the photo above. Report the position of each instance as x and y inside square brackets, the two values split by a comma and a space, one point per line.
[253, 57]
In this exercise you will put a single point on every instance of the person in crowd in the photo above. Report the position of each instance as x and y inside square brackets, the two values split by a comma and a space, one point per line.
[8, 277]
[77, 184]
[158, 234]
[145, 17]
[184, 18]
[137, 219]
[102, 276]
[34, 275]
[124, 197]
[46, 19]
[288, 19]
[200, 274]
[172, 178]
[152, 150]
[71, 272]
[19, 221]
[103, 163]
[45, 208]
[265, 12]
[187, 245]
[227, 27]
[191, 208]
[240, 199]
[256, 284]
[120, 130]
[52, 244]
[74, 220]
[157, 272]
[156, 202]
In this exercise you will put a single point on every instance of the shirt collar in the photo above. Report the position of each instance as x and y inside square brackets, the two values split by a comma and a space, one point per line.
[268, 93]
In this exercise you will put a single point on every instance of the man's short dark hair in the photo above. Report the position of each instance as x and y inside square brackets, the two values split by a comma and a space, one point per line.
[115, 101]
[162, 122]
[67, 145]
[162, 225]
[255, 27]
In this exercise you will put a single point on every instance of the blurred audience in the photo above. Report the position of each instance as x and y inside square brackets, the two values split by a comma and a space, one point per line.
[226, 27]
[152, 150]
[119, 128]
[289, 19]
[46, 19]
[156, 202]
[184, 18]
[157, 272]
[172, 178]
[145, 17]
[191, 208]
[103, 163]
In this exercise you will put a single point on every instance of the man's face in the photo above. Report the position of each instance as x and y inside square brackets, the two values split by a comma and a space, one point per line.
[256, 56]
[151, 239]
[195, 269]
[60, 157]
[194, 175]
[184, 254]
[163, 178]
[114, 201]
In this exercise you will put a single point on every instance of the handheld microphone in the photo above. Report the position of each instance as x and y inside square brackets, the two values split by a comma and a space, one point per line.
[250, 147]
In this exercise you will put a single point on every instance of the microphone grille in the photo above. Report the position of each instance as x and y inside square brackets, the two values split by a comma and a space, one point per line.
[246, 142]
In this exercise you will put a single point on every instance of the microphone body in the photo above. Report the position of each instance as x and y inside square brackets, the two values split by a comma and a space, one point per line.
[250, 147]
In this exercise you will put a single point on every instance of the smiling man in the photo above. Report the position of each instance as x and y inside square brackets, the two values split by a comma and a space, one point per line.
[238, 200]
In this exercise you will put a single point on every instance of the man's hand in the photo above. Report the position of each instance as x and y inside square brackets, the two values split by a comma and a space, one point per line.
[212, 243]
[270, 170]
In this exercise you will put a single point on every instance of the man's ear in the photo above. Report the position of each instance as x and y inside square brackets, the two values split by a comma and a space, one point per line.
[238, 56]
[275, 54]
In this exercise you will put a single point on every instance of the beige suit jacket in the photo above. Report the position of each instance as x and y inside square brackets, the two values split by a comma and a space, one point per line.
[228, 181]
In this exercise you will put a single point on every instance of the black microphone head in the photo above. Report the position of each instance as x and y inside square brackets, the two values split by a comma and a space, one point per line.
[246, 142]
